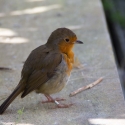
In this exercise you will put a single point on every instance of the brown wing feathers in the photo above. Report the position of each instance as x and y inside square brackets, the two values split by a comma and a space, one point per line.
[40, 75]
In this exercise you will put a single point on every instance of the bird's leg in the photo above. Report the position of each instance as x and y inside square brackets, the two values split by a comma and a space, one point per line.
[50, 99]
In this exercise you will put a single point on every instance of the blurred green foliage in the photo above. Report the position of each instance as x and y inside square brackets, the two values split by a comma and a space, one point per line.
[114, 13]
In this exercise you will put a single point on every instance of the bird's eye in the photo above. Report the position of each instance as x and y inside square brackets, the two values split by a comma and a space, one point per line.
[67, 40]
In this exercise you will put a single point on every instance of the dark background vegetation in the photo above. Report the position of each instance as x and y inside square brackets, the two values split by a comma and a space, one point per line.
[115, 16]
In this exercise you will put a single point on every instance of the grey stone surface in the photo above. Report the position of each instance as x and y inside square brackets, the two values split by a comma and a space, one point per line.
[26, 24]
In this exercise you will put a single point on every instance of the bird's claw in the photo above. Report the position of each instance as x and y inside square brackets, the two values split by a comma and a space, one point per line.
[53, 100]
[64, 105]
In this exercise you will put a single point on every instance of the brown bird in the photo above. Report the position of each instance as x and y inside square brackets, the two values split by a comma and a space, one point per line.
[47, 68]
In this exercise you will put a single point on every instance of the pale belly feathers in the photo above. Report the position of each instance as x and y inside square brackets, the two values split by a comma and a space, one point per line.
[57, 82]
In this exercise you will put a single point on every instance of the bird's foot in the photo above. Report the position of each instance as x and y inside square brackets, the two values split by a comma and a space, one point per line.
[53, 100]
[64, 105]
[50, 99]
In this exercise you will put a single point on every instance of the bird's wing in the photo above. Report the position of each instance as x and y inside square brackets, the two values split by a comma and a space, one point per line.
[33, 61]
[43, 71]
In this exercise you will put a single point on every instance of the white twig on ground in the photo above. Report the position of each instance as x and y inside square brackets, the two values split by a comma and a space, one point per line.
[86, 87]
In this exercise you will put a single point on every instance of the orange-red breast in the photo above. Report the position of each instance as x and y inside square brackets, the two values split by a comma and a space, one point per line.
[47, 68]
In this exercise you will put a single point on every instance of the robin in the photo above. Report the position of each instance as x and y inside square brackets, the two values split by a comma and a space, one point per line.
[47, 68]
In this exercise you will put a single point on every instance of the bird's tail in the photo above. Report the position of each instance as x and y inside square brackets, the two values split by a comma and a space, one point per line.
[7, 102]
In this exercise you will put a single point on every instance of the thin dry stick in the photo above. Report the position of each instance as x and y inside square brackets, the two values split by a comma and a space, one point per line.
[5, 68]
[86, 87]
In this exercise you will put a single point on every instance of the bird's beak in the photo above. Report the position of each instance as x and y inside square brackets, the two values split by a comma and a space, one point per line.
[78, 42]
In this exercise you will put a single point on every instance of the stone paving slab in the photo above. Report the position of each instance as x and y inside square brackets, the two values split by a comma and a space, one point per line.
[26, 24]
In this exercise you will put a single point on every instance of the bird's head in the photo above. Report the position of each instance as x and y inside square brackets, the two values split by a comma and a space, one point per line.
[63, 39]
